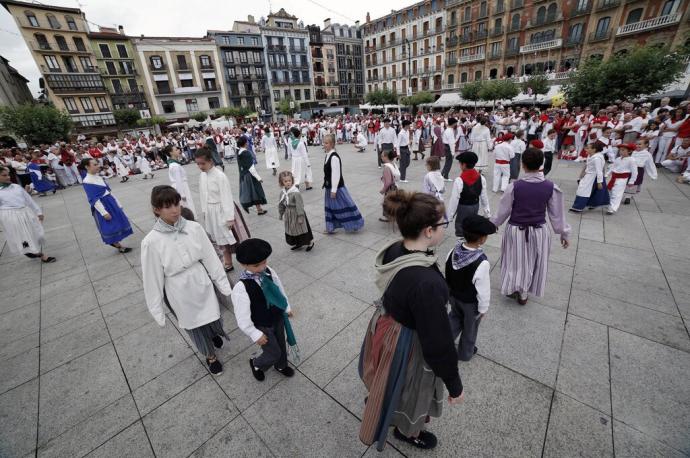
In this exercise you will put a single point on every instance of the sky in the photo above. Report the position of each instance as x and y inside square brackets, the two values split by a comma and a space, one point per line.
[182, 18]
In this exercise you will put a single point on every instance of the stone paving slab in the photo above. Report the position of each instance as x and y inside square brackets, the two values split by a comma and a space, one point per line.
[598, 366]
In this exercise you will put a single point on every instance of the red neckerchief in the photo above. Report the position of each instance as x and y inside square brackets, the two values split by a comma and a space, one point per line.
[469, 176]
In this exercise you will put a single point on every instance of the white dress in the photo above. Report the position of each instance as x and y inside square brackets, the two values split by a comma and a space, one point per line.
[121, 169]
[594, 172]
[19, 219]
[301, 167]
[480, 136]
[217, 205]
[178, 179]
[270, 147]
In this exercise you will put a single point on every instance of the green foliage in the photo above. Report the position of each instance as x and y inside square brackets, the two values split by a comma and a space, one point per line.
[36, 124]
[644, 70]
[539, 83]
[285, 108]
[382, 97]
[152, 121]
[498, 90]
[200, 116]
[470, 91]
[127, 117]
[234, 112]
[418, 99]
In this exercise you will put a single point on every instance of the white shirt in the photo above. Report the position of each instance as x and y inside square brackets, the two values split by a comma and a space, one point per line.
[458, 185]
[403, 138]
[518, 145]
[504, 151]
[98, 181]
[481, 281]
[643, 158]
[549, 145]
[335, 171]
[214, 188]
[185, 265]
[387, 135]
[361, 140]
[450, 137]
[242, 305]
[14, 196]
[625, 165]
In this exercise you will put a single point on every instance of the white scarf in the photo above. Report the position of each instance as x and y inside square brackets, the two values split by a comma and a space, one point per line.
[285, 193]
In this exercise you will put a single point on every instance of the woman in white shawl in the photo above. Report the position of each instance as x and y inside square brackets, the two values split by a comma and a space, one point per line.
[178, 178]
[270, 147]
[480, 138]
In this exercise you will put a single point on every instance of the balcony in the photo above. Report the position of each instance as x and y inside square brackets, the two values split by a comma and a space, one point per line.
[512, 52]
[599, 36]
[543, 46]
[497, 31]
[208, 66]
[607, 4]
[466, 38]
[45, 46]
[649, 24]
[581, 10]
[516, 4]
[573, 41]
[471, 58]
[481, 35]
[452, 41]
[451, 62]
[495, 54]
[500, 9]
[276, 48]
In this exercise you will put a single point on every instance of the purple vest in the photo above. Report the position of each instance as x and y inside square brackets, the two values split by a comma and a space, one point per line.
[529, 202]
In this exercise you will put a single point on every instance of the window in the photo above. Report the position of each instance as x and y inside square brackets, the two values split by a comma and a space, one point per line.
[575, 33]
[240, 40]
[102, 104]
[205, 61]
[79, 43]
[305, 76]
[515, 22]
[52, 63]
[126, 68]
[307, 94]
[162, 87]
[61, 42]
[86, 104]
[213, 103]
[52, 20]
[133, 85]
[181, 62]
[168, 106]
[602, 27]
[670, 7]
[463, 77]
[117, 86]
[551, 12]
[110, 67]
[259, 71]
[243, 57]
[513, 43]
[31, 17]
[122, 51]
[634, 16]
[70, 64]
[478, 75]
[276, 95]
[70, 104]
[255, 41]
[86, 64]
[105, 50]
[70, 23]
[187, 83]
[225, 40]
[228, 57]
[231, 73]
[286, 93]
[541, 15]
[468, 14]
[156, 62]
[482, 9]
[298, 94]
[192, 105]
[210, 84]
[42, 41]
[257, 57]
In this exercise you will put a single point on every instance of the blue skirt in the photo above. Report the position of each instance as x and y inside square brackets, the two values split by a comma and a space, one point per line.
[118, 227]
[597, 198]
[341, 211]
[42, 185]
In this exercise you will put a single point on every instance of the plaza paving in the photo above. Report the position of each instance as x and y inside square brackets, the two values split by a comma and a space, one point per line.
[598, 367]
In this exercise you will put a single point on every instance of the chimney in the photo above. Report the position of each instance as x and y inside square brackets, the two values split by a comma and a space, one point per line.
[326, 23]
[250, 19]
[357, 24]
[121, 30]
[368, 17]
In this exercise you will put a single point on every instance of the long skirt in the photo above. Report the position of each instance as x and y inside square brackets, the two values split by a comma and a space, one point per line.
[515, 166]
[217, 227]
[300, 239]
[481, 149]
[251, 192]
[203, 336]
[598, 198]
[301, 170]
[524, 259]
[272, 159]
[341, 211]
[403, 390]
[118, 228]
[23, 231]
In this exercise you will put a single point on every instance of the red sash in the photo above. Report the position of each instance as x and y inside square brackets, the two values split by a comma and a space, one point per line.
[617, 176]
[501, 161]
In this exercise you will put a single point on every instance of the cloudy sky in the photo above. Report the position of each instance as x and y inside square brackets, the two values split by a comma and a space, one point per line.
[179, 17]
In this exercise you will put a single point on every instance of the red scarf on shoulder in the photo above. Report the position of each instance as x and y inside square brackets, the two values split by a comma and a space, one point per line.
[469, 176]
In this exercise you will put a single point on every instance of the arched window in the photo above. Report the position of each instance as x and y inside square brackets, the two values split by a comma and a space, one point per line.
[551, 12]
[468, 14]
[515, 22]
[463, 77]
[602, 27]
[541, 15]
[549, 35]
[493, 73]
[31, 17]
[70, 23]
[41, 41]
[634, 16]
[451, 79]
[52, 20]
[575, 33]
[510, 71]
[478, 75]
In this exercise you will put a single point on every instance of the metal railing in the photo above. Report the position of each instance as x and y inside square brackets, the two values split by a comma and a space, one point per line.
[472, 57]
[544, 45]
[661, 21]
[607, 4]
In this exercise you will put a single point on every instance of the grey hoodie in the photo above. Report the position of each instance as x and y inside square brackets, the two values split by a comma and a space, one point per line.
[386, 272]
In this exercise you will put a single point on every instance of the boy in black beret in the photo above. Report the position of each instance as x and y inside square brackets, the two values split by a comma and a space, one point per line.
[469, 192]
[467, 275]
[262, 309]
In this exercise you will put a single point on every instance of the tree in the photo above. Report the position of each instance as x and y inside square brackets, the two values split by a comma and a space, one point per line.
[234, 112]
[538, 83]
[498, 90]
[200, 116]
[417, 99]
[36, 124]
[382, 97]
[126, 117]
[625, 76]
[152, 121]
[288, 107]
[470, 91]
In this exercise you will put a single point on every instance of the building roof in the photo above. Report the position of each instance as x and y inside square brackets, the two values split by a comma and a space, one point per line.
[39, 6]
[282, 14]
[13, 70]
[108, 36]
[176, 39]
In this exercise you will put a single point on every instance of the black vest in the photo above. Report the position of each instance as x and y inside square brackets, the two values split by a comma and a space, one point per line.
[261, 313]
[460, 281]
[327, 172]
[470, 193]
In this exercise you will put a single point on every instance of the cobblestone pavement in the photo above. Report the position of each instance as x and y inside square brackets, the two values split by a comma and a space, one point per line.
[599, 366]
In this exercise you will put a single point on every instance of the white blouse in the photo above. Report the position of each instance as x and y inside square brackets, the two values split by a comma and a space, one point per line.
[214, 188]
[14, 197]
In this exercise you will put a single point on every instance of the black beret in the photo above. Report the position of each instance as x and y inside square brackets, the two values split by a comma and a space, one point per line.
[477, 224]
[469, 158]
[452, 121]
[252, 251]
[386, 120]
[406, 122]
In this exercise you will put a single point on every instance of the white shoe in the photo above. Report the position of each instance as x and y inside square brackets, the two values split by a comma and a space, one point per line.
[404, 181]
[447, 179]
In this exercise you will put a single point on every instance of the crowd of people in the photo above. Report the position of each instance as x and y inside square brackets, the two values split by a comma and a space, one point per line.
[427, 317]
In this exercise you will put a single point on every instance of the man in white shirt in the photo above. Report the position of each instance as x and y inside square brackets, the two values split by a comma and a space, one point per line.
[677, 156]
[387, 139]
[404, 149]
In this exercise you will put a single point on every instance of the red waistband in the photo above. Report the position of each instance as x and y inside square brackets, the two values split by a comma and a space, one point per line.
[501, 161]
[617, 176]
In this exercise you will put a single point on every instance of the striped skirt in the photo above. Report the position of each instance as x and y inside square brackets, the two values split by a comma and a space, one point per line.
[524, 259]
[341, 211]
[203, 336]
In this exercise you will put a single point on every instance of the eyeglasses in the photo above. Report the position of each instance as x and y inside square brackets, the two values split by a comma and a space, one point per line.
[444, 224]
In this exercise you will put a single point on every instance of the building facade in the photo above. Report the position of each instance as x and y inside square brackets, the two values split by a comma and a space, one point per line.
[244, 66]
[405, 49]
[181, 76]
[116, 61]
[289, 60]
[13, 88]
[323, 52]
[349, 54]
[508, 38]
[58, 40]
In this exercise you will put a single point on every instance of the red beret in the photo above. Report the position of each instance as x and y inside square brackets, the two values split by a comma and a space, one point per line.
[537, 143]
[628, 146]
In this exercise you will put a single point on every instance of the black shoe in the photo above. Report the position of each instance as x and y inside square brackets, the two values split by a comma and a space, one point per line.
[425, 440]
[124, 249]
[626, 201]
[310, 247]
[256, 372]
[48, 260]
[217, 341]
[296, 247]
[216, 368]
[286, 371]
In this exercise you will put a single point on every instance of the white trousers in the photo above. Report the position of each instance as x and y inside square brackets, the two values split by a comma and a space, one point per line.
[616, 194]
[501, 176]
[301, 170]
[672, 164]
[662, 149]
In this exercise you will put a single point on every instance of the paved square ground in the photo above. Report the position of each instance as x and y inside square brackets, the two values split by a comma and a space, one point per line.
[598, 367]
